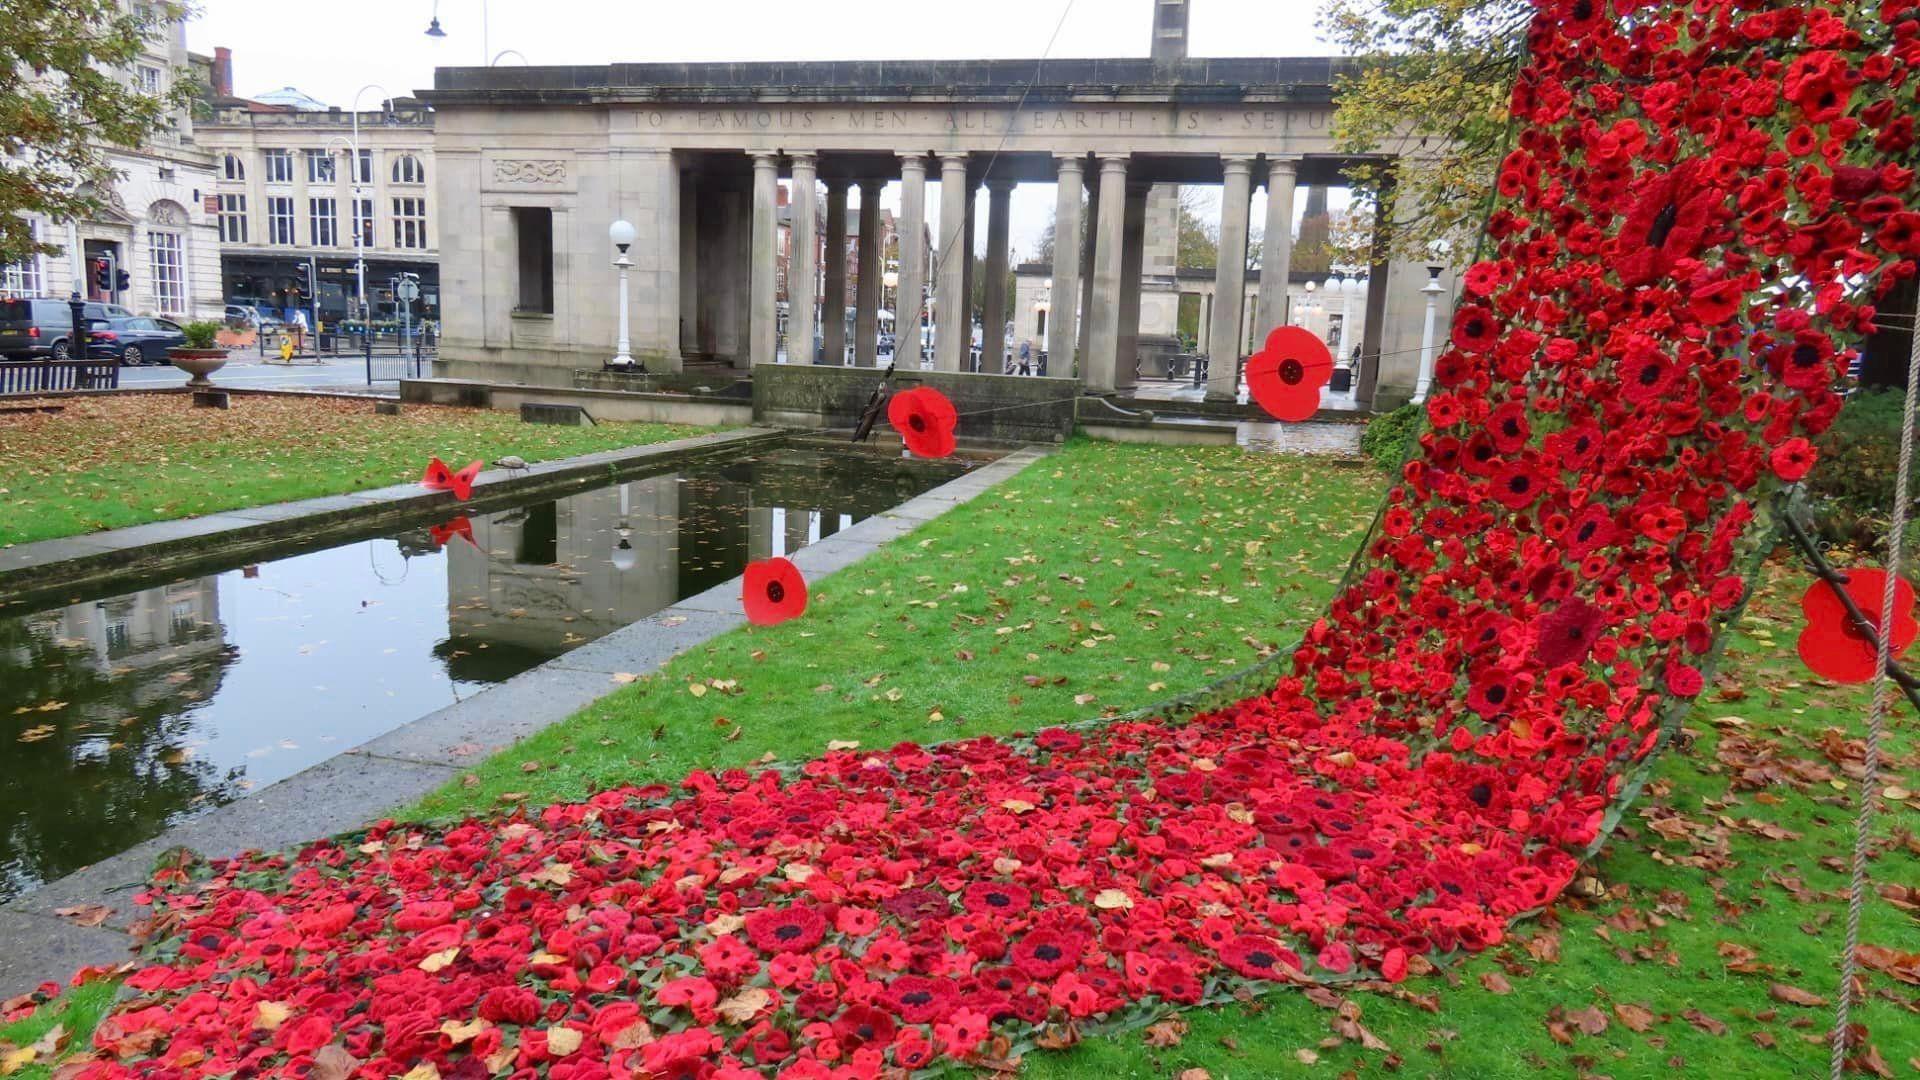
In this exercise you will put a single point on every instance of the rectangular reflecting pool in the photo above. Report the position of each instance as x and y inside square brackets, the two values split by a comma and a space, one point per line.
[123, 714]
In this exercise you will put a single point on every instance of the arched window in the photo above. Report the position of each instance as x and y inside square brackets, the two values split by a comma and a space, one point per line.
[235, 169]
[408, 170]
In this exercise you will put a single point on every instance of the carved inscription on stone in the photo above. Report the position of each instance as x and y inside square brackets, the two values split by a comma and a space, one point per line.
[530, 172]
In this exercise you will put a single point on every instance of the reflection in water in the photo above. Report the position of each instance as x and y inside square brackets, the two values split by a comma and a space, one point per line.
[96, 732]
[121, 716]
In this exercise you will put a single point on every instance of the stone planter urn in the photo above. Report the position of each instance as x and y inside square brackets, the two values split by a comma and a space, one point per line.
[198, 363]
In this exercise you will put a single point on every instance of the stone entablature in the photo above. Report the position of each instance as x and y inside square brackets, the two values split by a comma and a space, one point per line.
[1198, 80]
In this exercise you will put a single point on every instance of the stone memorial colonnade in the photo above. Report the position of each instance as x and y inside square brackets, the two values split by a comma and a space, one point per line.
[692, 155]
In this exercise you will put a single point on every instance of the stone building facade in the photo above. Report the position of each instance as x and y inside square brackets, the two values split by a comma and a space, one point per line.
[156, 226]
[289, 189]
[535, 163]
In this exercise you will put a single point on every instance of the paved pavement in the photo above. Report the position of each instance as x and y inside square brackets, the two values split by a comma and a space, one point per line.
[251, 374]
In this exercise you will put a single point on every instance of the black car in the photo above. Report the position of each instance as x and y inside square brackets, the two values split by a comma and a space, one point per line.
[134, 340]
[42, 329]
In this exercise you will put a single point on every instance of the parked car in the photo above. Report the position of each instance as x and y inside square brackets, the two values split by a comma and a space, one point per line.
[40, 328]
[134, 341]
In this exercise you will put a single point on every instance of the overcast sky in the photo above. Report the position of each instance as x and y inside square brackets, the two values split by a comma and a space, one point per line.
[331, 50]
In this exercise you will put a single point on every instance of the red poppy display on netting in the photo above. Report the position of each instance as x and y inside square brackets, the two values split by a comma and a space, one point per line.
[925, 420]
[1833, 646]
[440, 478]
[1626, 390]
[1285, 378]
[772, 591]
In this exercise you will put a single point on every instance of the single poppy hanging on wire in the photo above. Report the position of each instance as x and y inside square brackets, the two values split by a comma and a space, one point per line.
[443, 534]
[925, 419]
[1832, 646]
[440, 478]
[773, 591]
[1286, 376]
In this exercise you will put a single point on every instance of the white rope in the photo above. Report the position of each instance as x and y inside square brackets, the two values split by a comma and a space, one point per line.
[1876, 722]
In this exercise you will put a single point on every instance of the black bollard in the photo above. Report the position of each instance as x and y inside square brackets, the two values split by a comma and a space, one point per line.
[77, 344]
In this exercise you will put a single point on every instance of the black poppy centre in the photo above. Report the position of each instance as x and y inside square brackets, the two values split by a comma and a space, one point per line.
[1292, 372]
[1663, 225]
[776, 591]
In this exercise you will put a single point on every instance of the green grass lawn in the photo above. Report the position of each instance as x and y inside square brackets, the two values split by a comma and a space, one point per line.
[1111, 577]
[111, 462]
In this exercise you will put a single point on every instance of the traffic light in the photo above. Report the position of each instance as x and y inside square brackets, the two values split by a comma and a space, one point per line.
[102, 277]
[122, 281]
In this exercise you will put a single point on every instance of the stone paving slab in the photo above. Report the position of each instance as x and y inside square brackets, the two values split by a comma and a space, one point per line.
[722, 599]
[141, 537]
[44, 948]
[325, 505]
[651, 642]
[27, 556]
[463, 735]
[347, 791]
[878, 529]
[816, 561]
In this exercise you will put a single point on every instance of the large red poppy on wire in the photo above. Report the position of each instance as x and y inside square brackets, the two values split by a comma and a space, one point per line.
[925, 419]
[1832, 646]
[773, 591]
[1286, 376]
[440, 478]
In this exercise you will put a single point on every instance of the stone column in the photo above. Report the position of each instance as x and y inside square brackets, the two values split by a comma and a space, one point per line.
[1063, 314]
[950, 334]
[913, 260]
[763, 310]
[1230, 282]
[1126, 370]
[803, 261]
[833, 309]
[1276, 250]
[1088, 243]
[966, 277]
[866, 332]
[1103, 341]
[689, 266]
[993, 358]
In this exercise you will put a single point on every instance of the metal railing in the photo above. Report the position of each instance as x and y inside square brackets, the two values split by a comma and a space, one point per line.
[40, 376]
[385, 352]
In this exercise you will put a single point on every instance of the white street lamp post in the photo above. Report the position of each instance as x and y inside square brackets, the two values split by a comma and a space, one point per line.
[623, 234]
[1431, 291]
[353, 214]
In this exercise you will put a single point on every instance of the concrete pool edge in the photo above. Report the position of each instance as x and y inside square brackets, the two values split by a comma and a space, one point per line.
[391, 771]
[44, 567]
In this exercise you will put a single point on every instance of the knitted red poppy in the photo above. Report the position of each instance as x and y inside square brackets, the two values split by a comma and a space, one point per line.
[925, 420]
[1286, 376]
[773, 591]
[1832, 646]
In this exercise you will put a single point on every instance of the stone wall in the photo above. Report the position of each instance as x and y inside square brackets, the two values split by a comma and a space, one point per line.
[1023, 409]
